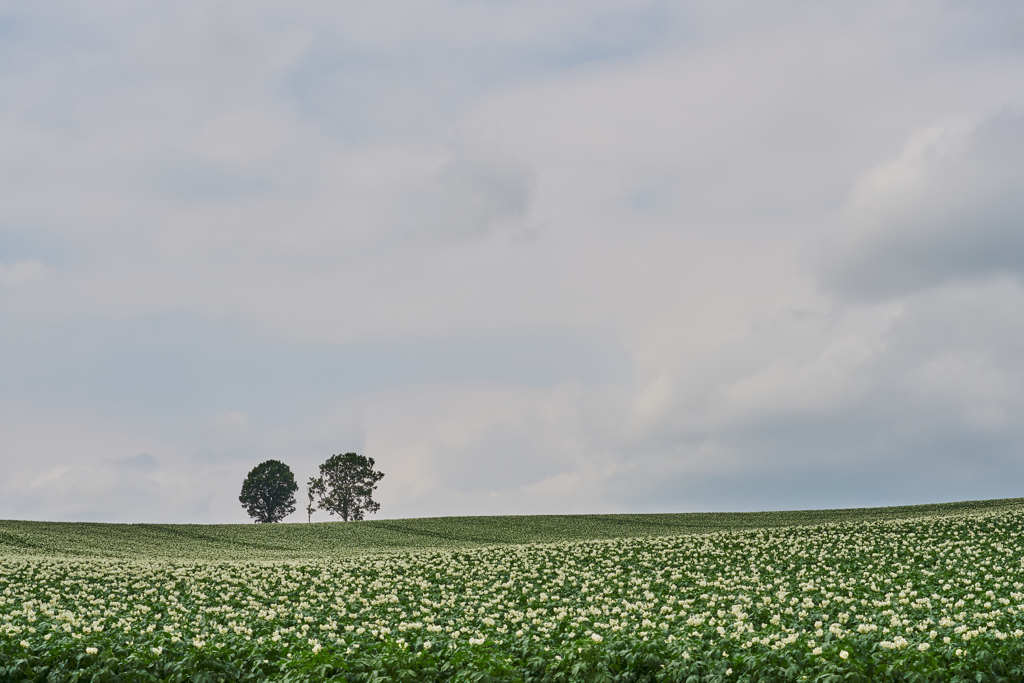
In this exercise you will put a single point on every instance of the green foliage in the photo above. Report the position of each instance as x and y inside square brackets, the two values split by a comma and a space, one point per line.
[922, 598]
[317, 541]
[268, 492]
[346, 484]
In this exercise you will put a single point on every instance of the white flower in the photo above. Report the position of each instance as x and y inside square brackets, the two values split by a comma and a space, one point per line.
[923, 646]
[24, 643]
[843, 654]
[91, 650]
[596, 637]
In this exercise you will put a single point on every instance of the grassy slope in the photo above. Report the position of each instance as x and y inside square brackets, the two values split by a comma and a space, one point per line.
[296, 541]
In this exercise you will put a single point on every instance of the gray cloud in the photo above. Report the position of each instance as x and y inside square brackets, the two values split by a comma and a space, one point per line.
[21, 273]
[143, 462]
[907, 403]
[950, 207]
[466, 199]
[535, 257]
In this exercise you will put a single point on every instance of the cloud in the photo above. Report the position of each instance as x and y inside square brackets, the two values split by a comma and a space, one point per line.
[465, 199]
[232, 420]
[536, 257]
[143, 462]
[872, 404]
[59, 467]
[21, 273]
[950, 207]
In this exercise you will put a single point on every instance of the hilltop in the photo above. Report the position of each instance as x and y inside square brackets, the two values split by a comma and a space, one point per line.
[304, 541]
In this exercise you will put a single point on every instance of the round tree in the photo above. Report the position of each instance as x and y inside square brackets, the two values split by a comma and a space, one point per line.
[268, 493]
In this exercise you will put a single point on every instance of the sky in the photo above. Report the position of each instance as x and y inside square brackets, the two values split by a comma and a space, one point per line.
[590, 256]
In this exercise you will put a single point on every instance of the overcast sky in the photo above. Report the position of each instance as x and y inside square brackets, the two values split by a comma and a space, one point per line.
[532, 257]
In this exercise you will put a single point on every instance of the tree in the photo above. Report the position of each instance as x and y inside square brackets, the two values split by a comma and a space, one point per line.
[346, 485]
[314, 491]
[268, 493]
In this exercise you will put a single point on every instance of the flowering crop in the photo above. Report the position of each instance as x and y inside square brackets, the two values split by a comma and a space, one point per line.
[313, 541]
[938, 597]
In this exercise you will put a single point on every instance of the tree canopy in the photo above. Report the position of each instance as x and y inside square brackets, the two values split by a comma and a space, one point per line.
[268, 493]
[346, 484]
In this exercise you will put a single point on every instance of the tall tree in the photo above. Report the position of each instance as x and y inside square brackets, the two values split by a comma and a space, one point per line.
[346, 486]
[268, 493]
[314, 491]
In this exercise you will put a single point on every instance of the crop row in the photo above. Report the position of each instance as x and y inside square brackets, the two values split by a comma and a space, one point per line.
[937, 598]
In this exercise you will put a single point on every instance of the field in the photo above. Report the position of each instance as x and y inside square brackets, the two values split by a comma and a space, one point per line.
[915, 593]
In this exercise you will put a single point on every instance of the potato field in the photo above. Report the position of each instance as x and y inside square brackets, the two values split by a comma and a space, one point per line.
[933, 595]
